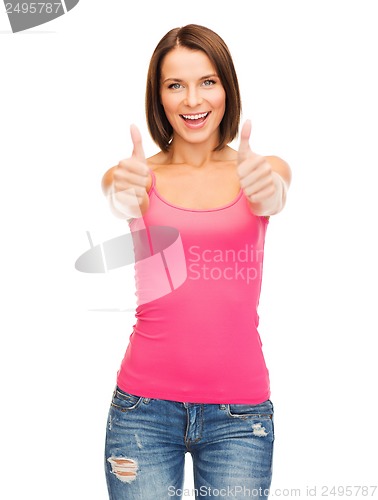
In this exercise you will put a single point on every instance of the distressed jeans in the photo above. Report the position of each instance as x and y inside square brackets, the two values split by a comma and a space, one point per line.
[146, 440]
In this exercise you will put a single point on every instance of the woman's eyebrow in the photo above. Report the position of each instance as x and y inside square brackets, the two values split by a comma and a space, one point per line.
[180, 80]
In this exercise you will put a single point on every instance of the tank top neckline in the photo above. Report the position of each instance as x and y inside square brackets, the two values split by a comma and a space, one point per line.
[222, 207]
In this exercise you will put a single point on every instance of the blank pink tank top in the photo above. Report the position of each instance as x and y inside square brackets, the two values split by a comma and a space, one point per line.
[198, 280]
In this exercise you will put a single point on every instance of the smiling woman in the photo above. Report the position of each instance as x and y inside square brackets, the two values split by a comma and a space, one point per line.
[198, 61]
[192, 101]
[194, 378]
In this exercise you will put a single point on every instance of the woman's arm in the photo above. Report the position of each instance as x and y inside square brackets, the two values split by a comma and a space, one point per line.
[107, 188]
[107, 180]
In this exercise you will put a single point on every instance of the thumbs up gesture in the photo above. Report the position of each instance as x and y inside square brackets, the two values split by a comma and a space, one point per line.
[261, 184]
[130, 179]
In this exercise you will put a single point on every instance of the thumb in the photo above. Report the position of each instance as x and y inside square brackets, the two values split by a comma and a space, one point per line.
[244, 149]
[137, 143]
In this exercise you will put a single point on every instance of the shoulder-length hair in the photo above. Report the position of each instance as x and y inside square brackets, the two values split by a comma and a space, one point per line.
[193, 37]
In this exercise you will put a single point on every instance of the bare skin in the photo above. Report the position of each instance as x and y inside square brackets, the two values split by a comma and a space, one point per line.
[191, 174]
[214, 184]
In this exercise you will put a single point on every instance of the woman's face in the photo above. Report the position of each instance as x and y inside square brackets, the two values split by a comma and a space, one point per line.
[192, 95]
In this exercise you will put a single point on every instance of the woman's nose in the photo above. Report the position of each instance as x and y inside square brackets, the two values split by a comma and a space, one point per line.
[193, 97]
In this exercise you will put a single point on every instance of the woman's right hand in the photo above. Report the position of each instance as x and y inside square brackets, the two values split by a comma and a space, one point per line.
[130, 179]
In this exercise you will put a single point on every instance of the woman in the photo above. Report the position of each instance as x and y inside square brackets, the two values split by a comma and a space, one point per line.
[194, 378]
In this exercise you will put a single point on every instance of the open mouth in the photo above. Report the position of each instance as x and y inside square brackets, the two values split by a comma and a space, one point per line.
[195, 119]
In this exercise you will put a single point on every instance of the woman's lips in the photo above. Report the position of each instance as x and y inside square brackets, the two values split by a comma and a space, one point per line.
[195, 120]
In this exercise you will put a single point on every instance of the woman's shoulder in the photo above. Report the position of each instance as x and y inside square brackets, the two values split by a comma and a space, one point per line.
[153, 162]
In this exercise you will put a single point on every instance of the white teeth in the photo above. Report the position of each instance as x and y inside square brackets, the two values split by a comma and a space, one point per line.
[195, 117]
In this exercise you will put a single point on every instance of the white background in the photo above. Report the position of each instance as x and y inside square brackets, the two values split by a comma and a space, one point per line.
[69, 91]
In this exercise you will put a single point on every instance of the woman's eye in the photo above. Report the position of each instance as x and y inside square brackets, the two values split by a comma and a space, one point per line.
[174, 86]
[208, 83]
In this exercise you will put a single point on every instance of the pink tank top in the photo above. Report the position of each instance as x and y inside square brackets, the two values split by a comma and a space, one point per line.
[198, 279]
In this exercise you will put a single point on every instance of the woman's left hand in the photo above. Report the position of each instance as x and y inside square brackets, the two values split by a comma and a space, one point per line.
[264, 187]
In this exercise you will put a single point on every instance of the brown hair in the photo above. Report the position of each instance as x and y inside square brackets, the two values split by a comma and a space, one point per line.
[193, 37]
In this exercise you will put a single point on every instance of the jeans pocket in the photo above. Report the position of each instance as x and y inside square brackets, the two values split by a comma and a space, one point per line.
[260, 411]
[125, 401]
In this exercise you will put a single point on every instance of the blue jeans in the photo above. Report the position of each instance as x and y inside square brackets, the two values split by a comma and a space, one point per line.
[146, 440]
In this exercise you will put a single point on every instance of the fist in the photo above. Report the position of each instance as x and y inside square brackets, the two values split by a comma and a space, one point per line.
[254, 171]
[130, 178]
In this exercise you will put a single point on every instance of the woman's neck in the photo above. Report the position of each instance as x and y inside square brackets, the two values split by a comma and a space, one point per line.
[197, 155]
